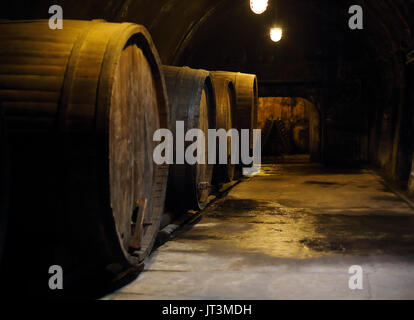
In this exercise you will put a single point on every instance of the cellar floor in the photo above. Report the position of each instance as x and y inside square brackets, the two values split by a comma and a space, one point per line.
[291, 232]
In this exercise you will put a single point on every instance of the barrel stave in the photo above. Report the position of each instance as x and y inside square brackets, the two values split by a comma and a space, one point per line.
[225, 119]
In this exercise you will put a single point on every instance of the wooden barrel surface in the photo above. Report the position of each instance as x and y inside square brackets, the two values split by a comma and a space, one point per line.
[192, 100]
[82, 104]
[246, 109]
[246, 99]
[3, 182]
[225, 113]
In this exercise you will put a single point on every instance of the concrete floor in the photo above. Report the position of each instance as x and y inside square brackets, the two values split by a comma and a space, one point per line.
[291, 232]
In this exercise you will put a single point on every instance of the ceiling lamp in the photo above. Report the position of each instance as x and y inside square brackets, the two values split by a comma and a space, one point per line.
[276, 34]
[258, 6]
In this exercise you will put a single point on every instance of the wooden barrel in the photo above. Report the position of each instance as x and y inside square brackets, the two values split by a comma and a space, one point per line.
[246, 99]
[225, 113]
[192, 100]
[3, 182]
[82, 104]
[246, 109]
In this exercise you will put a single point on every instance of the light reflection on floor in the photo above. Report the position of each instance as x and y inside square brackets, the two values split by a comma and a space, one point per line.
[291, 232]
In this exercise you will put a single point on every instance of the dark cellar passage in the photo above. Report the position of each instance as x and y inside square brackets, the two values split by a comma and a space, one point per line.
[334, 191]
[289, 126]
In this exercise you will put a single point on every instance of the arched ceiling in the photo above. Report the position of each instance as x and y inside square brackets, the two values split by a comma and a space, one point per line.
[389, 24]
[169, 21]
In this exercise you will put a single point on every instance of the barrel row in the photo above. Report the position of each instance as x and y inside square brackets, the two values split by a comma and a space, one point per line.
[78, 180]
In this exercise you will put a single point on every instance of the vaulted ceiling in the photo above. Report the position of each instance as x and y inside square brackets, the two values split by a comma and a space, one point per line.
[177, 24]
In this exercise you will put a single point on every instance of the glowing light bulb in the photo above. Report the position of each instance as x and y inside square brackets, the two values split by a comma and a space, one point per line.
[258, 6]
[276, 34]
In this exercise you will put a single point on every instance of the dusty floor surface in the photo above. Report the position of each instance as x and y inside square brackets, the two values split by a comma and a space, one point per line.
[291, 232]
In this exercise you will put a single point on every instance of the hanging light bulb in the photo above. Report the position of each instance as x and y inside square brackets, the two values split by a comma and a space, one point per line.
[276, 34]
[258, 6]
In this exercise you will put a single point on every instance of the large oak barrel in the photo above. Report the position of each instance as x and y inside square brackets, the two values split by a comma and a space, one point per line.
[225, 114]
[192, 100]
[82, 104]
